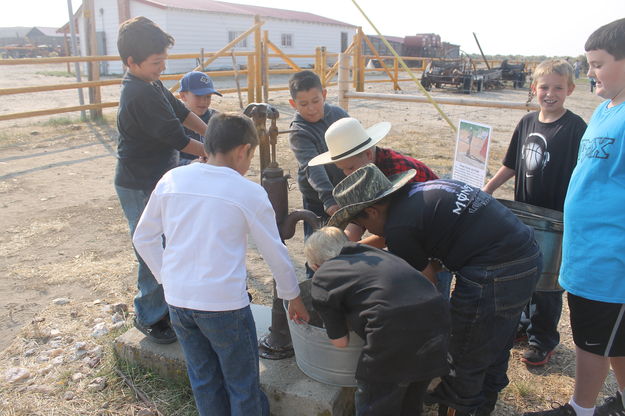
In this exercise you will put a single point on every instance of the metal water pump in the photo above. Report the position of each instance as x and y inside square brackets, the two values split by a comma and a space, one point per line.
[275, 182]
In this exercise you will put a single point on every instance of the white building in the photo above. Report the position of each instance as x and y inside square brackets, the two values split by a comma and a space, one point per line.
[208, 24]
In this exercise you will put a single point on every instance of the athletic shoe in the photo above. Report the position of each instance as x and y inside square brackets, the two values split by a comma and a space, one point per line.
[159, 333]
[612, 406]
[535, 356]
[565, 410]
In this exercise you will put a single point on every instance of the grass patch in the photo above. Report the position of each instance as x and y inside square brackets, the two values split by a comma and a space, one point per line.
[170, 396]
[524, 389]
[63, 74]
[60, 121]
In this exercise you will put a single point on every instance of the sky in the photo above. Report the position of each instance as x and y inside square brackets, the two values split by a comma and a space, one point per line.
[525, 27]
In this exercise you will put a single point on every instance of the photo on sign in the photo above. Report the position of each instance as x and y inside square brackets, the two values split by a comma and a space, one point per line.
[471, 156]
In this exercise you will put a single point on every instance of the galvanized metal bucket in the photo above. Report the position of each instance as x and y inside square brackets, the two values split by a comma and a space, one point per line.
[548, 228]
[317, 357]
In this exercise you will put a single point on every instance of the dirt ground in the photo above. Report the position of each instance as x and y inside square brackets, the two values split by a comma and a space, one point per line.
[66, 237]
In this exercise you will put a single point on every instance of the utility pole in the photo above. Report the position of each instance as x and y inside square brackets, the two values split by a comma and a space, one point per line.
[74, 49]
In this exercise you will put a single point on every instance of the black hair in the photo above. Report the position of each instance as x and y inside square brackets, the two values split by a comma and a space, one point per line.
[303, 81]
[610, 38]
[140, 37]
[226, 131]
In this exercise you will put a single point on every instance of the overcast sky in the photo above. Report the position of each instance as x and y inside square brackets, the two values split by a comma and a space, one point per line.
[525, 27]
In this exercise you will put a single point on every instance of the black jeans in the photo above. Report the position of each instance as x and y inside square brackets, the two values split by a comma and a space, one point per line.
[390, 399]
[486, 307]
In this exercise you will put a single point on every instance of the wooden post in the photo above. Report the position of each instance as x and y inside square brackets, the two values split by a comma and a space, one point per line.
[356, 58]
[251, 76]
[318, 62]
[259, 60]
[396, 69]
[323, 65]
[343, 80]
[66, 49]
[265, 71]
[94, 67]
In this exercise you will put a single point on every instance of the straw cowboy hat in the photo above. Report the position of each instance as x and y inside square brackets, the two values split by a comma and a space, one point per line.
[347, 137]
[362, 189]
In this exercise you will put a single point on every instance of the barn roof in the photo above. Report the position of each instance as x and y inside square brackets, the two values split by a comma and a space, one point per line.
[233, 8]
[14, 32]
[46, 31]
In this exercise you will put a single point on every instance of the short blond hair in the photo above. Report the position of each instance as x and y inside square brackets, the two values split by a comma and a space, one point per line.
[323, 245]
[554, 66]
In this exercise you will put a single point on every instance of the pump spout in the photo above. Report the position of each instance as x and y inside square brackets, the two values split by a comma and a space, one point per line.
[287, 226]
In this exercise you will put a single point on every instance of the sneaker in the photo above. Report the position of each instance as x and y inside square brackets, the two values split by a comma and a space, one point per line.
[535, 356]
[159, 333]
[612, 406]
[565, 410]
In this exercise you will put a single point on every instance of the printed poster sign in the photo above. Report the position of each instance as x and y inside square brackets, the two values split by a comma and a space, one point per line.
[471, 157]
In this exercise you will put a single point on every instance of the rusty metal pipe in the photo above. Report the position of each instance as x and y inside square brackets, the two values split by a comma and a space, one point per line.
[287, 227]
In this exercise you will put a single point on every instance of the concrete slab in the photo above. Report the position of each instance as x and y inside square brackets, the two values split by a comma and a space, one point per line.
[290, 391]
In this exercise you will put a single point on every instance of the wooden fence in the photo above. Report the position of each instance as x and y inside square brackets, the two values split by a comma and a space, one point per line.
[256, 71]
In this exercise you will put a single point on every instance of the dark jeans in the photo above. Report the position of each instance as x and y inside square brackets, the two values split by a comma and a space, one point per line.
[221, 352]
[390, 399]
[486, 305]
[150, 306]
[540, 319]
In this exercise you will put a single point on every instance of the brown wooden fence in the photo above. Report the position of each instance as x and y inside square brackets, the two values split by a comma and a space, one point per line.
[256, 71]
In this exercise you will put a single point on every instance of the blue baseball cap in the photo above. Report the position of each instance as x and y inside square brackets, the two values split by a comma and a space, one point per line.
[198, 83]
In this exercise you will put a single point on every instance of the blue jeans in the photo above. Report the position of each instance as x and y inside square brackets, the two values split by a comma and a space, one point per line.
[540, 319]
[150, 306]
[221, 352]
[390, 399]
[486, 305]
[444, 278]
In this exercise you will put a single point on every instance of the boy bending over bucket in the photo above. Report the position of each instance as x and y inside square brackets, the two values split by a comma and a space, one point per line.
[394, 308]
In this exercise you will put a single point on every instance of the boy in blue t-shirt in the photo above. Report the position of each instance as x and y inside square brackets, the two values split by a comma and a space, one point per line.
[151, 122]
[196, 91]
[541, 157]
[594, 235]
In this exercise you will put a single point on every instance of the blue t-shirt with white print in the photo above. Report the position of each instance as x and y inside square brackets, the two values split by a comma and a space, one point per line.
[593, 247]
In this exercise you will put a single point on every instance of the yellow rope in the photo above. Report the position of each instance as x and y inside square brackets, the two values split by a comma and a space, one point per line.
[405, 67]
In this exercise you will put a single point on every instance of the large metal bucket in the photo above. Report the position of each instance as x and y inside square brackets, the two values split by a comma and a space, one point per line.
[548, 227]
[318, 358]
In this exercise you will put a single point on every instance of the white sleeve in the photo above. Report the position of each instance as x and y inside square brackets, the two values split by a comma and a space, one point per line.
[264, 231]
[148, 238]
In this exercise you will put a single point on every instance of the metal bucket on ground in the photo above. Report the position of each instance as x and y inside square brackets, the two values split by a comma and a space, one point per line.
[317, 357]
[548, 228]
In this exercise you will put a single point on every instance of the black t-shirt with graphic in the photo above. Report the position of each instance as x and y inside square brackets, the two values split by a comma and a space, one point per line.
[401, 316]
[543, 155]
[455, 223]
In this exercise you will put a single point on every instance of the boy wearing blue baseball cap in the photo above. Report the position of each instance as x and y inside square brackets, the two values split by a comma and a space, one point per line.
[196, 90]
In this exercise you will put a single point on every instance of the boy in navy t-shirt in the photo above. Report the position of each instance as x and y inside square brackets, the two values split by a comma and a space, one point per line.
[151, 122]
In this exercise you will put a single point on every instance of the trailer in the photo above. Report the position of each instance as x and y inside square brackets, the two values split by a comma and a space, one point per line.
[461, 75]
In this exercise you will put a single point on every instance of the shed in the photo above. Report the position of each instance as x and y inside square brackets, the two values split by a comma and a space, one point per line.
[209, 24]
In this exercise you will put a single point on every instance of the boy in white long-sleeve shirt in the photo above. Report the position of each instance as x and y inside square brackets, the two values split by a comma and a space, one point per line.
[206, 211]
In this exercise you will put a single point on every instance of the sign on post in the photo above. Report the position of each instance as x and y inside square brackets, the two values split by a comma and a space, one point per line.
[471, 157]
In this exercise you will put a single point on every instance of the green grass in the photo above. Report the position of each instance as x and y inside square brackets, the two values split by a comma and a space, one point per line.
[63, 74]
[61, 121]
[172, 397]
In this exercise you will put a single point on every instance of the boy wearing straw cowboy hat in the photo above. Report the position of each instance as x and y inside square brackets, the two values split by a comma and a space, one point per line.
[351, 146]
[492, 253]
